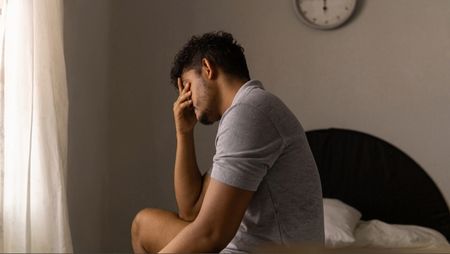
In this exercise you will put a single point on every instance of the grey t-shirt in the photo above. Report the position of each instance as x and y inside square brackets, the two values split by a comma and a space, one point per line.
[261, 147]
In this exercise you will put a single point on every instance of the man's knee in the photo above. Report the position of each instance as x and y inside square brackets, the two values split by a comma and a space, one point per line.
[153, 228]
[142, 217]
[139, 221]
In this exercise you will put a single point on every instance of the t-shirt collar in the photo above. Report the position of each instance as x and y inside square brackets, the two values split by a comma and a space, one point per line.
[253, 83]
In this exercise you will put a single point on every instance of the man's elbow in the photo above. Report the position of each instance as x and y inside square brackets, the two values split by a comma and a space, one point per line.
[221, 243]
[217, 239]
[213, 242]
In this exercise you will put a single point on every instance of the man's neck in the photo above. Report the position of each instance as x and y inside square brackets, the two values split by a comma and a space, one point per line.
[229, 89]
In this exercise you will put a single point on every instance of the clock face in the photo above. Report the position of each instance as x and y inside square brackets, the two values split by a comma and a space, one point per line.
[325, 14]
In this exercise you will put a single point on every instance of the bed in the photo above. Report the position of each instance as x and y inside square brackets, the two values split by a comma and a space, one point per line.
[376, 197]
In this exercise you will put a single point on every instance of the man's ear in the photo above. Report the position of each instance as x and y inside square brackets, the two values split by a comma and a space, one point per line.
[209, 69]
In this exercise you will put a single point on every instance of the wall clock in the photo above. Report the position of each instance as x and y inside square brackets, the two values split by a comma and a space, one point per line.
[325, 14]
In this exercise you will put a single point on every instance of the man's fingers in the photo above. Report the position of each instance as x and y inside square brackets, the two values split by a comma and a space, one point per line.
[186, 104]
[184, 97]
[180, 85]
[181, 106]
[186, 87]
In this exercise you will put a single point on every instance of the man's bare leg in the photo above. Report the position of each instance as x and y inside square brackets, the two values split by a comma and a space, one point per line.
[153, 229]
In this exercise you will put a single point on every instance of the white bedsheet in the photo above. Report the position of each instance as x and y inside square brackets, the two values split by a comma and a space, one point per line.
[379, 234]
[342, 231]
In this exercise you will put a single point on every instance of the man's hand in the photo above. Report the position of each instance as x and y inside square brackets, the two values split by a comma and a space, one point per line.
[183, 110]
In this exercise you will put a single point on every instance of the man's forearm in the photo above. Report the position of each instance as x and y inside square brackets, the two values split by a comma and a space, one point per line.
[187, 177]
[196, 239]
[217, 223]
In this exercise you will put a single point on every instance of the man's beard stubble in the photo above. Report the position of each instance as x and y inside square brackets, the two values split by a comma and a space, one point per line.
[205, 120]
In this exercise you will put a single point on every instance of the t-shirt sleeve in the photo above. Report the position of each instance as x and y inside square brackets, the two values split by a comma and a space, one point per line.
[247, 145]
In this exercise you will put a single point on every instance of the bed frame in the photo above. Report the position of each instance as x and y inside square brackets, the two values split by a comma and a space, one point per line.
[378, 179]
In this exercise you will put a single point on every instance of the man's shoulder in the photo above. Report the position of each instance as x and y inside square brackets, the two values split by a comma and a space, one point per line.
[255, 100]
[244, 112]
[264, 102]
[254, 95]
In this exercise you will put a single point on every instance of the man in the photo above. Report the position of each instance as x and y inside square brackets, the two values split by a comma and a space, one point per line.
[263, 187]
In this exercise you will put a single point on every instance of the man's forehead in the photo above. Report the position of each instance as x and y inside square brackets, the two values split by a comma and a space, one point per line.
[187, 76]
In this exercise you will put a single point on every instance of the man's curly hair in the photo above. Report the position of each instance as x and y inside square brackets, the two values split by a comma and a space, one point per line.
[219, 48]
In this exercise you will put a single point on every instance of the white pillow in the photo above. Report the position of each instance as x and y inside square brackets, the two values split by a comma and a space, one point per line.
[340, 221]
[379, 234]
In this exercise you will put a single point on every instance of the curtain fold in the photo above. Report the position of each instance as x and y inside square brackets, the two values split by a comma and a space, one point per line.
[34, 206]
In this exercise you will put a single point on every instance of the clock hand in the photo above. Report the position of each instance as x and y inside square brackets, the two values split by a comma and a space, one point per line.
[325, 8]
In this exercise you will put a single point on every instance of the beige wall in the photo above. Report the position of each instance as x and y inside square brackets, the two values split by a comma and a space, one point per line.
[86, 28]
[385, 73]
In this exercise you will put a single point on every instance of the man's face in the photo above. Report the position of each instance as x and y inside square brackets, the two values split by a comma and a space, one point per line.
[203, 97]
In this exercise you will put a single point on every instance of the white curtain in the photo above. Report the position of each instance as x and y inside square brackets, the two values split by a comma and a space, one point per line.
[33, 209]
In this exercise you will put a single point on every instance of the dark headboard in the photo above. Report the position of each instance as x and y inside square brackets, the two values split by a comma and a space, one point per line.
[378, 179]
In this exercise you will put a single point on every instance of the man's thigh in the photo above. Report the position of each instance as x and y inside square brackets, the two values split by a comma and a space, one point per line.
[153, 229]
